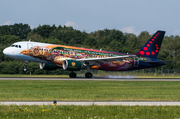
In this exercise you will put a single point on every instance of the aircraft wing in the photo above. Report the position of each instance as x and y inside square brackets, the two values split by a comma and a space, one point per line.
[98, 61]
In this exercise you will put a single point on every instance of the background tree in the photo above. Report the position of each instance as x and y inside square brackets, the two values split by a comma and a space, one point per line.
[44, 30]
[20, 30]
[143, 37]
[34, 37]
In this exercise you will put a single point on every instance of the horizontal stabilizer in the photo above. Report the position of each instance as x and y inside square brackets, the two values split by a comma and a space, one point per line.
[157, 62]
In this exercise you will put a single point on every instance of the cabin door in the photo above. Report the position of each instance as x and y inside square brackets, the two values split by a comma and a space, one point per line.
[136, 61]
[29, 46]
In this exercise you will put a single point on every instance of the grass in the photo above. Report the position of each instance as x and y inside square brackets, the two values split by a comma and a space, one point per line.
[89, 112]
[19, 90]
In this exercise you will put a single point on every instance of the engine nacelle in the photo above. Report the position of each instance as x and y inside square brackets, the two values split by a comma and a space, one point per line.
[72, 65]
[46, 66]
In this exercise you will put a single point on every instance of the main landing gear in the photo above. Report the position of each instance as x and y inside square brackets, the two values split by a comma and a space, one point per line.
[25, 66]
[87, 75]
[72, 75]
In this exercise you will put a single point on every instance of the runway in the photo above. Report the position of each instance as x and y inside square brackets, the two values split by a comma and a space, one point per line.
[92, 79]
[96, 103]
[83, 103]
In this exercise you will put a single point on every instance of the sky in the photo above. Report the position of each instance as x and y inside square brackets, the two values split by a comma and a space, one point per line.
[129, 16]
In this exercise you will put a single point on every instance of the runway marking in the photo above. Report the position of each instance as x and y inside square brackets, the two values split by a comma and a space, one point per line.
[96, 103]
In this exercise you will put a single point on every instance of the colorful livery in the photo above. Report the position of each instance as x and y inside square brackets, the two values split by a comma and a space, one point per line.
[51, 56]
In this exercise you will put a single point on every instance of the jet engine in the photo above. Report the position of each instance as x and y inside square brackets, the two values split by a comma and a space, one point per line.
[72, 65]
[46, 66]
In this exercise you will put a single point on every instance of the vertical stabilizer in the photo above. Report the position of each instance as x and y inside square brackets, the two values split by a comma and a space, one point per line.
[152, 46]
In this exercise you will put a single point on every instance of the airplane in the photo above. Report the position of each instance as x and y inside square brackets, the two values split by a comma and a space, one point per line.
[53, 56]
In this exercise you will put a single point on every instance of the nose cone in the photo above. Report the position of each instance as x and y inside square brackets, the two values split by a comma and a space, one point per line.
[6, 51]
[12, 52]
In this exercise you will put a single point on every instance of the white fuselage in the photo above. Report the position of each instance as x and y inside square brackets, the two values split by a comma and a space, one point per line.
[14, 51]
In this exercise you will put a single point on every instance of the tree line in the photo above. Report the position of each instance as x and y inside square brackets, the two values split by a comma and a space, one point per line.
[107, 39]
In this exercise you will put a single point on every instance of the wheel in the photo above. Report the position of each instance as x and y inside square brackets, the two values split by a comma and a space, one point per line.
[24, 69]
[72, 75]
[88, 75]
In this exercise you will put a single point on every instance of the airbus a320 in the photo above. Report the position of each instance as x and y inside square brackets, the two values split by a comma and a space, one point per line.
[52, 56]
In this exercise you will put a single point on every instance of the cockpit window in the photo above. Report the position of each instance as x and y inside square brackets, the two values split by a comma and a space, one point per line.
[17, 46]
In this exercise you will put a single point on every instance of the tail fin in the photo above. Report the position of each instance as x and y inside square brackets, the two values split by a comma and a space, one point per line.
[152, 46]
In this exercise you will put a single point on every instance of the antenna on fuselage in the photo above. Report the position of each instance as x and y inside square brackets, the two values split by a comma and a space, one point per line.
[29, 40]
[100, 49]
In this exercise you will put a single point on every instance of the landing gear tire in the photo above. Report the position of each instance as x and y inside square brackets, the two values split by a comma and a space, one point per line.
[24, 69]
[88, 75]
[72, 75]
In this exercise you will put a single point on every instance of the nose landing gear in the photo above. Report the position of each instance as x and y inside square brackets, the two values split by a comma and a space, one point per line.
[25, 66]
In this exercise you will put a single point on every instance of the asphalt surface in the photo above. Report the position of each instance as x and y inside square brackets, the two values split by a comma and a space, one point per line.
[96, 103]
[93, 79]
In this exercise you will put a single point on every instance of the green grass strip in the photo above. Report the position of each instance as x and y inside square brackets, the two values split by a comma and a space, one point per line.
[89, 112]
[20, 90]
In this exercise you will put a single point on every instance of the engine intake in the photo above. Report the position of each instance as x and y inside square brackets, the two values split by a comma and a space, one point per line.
[46, 66]
[72, 65]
